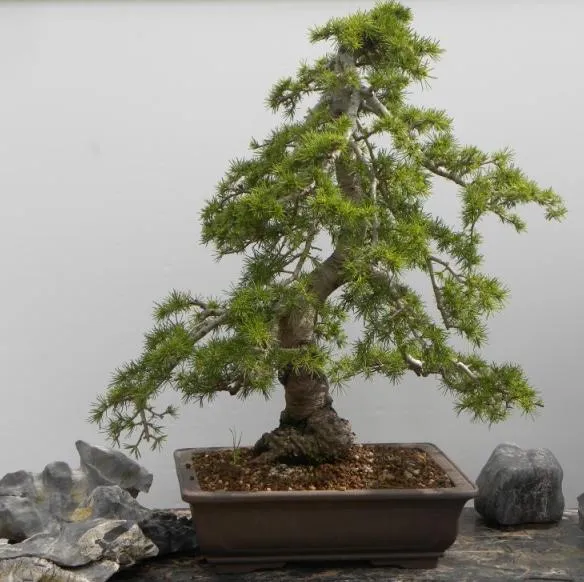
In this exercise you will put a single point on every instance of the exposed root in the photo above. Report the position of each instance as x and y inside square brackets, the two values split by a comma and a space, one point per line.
[323, 437]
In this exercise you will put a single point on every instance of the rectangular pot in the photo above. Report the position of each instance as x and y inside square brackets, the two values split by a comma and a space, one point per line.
[242, 531]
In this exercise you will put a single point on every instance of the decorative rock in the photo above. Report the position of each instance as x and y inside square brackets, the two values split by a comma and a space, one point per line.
[519, 486]
[34, 503]
[19, 483]
[79, 544]
[109, 467]
[84, 519]
[120, 541]
[39, 570]
[169, 532]
[19, 518]
[115, 503]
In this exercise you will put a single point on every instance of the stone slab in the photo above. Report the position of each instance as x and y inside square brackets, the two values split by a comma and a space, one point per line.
[480, 554]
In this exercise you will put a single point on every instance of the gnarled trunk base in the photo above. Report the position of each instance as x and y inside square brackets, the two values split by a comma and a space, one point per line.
[322, 436]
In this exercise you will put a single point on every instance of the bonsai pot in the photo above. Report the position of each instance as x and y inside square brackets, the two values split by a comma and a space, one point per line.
[244, 531]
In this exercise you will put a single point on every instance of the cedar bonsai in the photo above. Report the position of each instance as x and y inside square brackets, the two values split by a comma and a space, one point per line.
[352, 173]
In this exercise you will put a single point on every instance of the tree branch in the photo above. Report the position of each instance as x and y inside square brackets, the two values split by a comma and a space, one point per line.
[297, 195]
[145, 427]
[207, 326]
[466, 370]
[206, 310]
[447, 266]
[445, 174]
[414, 364]
[372, 177]
[438, 296]
[302, 258]
[377, 107]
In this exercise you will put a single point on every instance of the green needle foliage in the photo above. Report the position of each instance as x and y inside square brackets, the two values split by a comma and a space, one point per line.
[359, 177]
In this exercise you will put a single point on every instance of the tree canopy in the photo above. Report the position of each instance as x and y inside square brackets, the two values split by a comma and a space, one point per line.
[355, 169]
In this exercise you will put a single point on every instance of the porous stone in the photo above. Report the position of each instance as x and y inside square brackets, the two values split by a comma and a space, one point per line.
[169, 532]
[520, 486]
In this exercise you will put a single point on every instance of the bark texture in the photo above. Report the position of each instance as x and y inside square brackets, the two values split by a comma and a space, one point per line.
[310, 429]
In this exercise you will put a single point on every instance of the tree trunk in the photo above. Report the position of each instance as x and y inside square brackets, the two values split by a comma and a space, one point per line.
[310, 430]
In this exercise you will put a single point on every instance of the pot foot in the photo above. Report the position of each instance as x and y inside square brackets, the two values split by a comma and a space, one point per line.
[408, 563]
[244, 567]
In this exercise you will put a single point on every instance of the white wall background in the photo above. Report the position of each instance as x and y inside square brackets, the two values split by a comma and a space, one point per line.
[117, 120]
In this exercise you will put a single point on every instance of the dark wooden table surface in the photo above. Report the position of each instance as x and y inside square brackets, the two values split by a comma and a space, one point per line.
[480, 554]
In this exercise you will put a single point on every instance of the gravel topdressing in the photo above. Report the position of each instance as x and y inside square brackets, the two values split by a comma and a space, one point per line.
[366, 467]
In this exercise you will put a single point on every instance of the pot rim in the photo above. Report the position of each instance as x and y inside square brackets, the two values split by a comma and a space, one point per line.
[463, 487]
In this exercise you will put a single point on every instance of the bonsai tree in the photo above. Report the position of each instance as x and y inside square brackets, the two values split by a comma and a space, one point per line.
[328, 212]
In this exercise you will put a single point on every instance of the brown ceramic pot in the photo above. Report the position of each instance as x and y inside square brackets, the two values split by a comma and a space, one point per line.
[244, 531]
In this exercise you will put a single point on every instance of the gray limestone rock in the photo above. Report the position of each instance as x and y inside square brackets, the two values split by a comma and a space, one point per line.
[30, 569]
[115, 503]
[83, 518]
[19, 484]
[169, 532]
[33, 503]
[20, 518]
[110, 467]
[120, 541]
[79, 544]
[520, 486]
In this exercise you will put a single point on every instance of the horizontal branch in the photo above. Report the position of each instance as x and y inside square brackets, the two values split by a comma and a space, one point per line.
[445, 174]
[207, 326]
[417, 366]
[206, 310]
